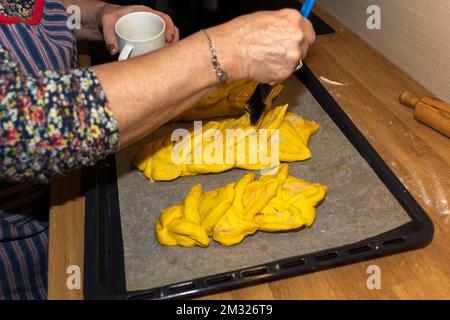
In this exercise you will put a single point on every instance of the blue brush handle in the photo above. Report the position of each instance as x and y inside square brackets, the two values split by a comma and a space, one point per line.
[307, 8]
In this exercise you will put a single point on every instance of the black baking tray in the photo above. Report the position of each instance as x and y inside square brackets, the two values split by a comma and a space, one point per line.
[104, 271]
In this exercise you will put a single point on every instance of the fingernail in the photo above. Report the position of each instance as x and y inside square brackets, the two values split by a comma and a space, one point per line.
[171, 36]
[112, 49]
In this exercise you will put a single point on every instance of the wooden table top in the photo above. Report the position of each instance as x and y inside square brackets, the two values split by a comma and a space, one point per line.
[418, 155]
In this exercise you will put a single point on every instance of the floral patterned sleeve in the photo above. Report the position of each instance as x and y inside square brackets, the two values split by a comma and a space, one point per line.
[51, 123]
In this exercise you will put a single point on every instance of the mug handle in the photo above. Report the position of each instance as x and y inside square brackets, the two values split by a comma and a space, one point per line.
[125, 53]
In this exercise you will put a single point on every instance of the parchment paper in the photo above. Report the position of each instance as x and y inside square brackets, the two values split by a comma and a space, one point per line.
[358, 206]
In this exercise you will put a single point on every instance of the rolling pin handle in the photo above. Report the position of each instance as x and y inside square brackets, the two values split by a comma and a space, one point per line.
[408, 99]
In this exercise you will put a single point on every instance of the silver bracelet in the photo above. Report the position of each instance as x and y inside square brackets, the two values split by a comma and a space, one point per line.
[221, 75]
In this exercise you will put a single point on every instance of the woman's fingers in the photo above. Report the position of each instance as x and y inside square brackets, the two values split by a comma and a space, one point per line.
[177, 35]
[172, 34]
[303, 50]
[310, 34]
[109, 35]
[112, 13]
[270, 45]
[171, 31]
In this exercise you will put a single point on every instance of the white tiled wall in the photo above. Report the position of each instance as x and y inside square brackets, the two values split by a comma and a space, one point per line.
[415, 35]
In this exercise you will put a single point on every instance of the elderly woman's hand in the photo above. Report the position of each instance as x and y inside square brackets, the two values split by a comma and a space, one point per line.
[268, 46]
[264, 46]
[109, 14]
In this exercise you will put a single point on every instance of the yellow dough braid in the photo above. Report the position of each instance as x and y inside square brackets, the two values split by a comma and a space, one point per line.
[248, 147]
[275, 202]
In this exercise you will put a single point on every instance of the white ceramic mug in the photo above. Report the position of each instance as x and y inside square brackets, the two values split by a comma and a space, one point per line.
[139, 33]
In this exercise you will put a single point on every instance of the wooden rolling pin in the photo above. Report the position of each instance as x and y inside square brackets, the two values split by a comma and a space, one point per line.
[431, 111]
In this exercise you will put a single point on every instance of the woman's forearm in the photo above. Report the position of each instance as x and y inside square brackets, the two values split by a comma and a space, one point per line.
[150, 90]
